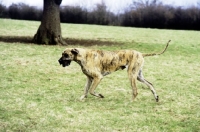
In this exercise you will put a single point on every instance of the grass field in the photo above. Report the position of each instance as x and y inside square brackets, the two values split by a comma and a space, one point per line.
[38, 95]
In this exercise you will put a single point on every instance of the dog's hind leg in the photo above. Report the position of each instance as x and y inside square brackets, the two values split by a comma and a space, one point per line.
[141, 78]
[133, 85]
[132, 74]
[87, 87]
[94, 84]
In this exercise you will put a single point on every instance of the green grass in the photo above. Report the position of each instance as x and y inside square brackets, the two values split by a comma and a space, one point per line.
[38, 95]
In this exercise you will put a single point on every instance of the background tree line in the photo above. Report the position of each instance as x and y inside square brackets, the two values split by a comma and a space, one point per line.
[148, 14]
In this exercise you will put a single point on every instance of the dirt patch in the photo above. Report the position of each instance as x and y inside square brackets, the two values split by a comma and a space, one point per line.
[89, 42]
[70, 41]
[16, 39]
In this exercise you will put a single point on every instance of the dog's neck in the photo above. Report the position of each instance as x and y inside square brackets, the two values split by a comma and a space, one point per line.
[79, 62]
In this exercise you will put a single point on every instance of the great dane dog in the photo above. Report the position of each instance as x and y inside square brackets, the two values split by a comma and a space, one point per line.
[96, 64]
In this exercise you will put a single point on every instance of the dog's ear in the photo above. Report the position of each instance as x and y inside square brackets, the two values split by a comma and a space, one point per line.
[74, 51]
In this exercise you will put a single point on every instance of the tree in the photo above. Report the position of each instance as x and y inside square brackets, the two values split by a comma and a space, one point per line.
[3, 11]
[100, 13]
[49, 31]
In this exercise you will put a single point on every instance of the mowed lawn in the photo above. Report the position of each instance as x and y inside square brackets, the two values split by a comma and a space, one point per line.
[39, 95]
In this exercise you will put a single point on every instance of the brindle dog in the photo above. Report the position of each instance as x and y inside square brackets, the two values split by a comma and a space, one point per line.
[96, 64]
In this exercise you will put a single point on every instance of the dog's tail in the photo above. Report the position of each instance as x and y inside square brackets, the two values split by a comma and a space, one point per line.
[152, 54]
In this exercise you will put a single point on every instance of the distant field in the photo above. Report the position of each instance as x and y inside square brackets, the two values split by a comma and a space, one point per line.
[37, 94]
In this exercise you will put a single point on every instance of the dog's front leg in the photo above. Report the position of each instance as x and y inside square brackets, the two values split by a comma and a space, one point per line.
[87, 87]
[94, 84]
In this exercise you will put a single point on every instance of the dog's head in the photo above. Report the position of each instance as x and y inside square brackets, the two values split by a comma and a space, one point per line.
[67, 56]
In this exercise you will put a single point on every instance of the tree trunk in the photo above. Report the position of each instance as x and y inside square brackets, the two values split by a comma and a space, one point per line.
[49, 32]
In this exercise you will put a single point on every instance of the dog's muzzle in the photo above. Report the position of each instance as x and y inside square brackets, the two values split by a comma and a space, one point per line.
[64, 63]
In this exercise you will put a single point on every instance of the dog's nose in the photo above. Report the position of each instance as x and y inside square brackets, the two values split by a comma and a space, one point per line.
[60, 61]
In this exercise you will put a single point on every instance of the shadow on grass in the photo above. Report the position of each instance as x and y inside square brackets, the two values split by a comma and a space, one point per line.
[70, 41]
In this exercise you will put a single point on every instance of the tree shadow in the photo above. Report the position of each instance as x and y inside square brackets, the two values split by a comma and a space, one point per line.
[69, 41]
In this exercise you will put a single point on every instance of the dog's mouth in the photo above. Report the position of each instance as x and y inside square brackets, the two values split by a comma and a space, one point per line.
[64, 63]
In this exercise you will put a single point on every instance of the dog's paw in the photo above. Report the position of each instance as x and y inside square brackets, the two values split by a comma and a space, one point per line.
[101, 96]
[82, 97]
[157, 98]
